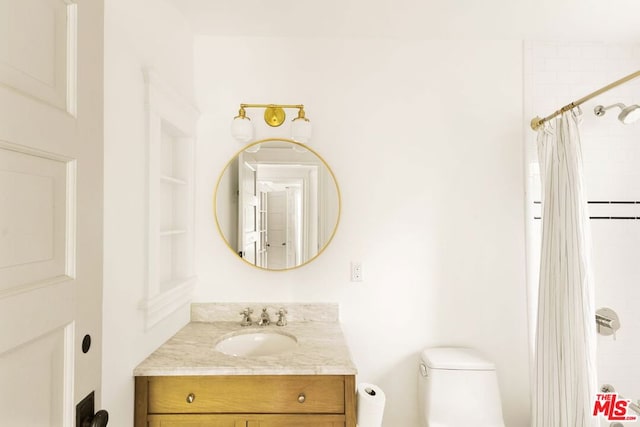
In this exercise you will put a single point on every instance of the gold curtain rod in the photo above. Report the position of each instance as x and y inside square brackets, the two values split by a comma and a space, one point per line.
[536, 122]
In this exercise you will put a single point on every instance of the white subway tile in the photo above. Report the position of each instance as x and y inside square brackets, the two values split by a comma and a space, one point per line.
[595, 51]
[568, 77]
[557, 64]
[545, 50]
[545, 77]
[569, 51]
[619, 52]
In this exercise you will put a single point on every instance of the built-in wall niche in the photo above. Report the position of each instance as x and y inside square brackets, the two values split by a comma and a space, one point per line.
[175, 249]
[171, 133]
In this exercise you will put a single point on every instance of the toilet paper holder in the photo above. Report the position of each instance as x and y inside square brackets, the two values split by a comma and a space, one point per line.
[370, 391]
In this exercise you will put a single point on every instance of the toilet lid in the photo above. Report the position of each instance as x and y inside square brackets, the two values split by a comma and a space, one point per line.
[459, 358]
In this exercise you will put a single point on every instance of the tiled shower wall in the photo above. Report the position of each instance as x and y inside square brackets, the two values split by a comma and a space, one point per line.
[555, 75]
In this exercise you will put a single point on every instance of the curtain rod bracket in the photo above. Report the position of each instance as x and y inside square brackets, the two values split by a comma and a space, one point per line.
[536, 122]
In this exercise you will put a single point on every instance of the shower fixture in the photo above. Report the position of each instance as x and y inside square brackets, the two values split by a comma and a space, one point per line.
[607, 322]
[627, 114]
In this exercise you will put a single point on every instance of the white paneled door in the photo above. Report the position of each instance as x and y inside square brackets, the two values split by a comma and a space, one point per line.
[248, 237]
[51, 155]
[277, 230]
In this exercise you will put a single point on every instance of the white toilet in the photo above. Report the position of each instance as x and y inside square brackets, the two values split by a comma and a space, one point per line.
[458, 388]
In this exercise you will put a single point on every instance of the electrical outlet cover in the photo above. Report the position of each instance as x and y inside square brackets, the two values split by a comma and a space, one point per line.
[356, 271]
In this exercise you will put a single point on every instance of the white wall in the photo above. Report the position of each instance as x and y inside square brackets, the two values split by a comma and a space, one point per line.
[425, 139]
[556, 74]
[133, 39]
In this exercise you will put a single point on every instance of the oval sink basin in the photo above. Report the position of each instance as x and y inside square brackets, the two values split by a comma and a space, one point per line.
[254, 344]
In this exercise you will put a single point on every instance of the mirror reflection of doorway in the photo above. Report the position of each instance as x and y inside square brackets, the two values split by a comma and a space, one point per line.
[284, 221]
[279, 214]
[247, 213]
[277, 204]
[277, 230]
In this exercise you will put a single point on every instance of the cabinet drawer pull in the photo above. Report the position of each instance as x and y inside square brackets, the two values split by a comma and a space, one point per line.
[191, 397]
[301, 398]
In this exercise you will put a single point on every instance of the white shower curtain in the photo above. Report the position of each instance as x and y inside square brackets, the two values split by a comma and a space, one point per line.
[565, 380]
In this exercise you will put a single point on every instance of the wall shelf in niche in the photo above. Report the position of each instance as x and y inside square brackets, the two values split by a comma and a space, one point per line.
[172, 232]
[171, 122]
[171, 180]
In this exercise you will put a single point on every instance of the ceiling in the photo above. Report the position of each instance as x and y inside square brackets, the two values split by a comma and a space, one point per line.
[588, 20]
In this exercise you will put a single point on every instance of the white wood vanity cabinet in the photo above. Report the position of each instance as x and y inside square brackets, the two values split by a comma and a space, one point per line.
[245, 401]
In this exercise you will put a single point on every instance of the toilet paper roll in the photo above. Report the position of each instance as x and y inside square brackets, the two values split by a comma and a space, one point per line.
[370, 400]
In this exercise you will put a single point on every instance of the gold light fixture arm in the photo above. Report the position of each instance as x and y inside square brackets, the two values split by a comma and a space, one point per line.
[271, 105]
[536, 122]
[274, 114]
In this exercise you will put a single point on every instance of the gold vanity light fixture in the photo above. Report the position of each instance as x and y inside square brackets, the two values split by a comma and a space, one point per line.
[301, 128]
[274, 116]
[241, 127]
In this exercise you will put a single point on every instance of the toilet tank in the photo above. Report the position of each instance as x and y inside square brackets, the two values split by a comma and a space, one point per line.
[458, 388]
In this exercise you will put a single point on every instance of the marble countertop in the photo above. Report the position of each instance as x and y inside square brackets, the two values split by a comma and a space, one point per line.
[321, 350]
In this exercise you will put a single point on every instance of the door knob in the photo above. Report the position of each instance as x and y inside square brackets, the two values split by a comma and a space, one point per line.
[100, 419]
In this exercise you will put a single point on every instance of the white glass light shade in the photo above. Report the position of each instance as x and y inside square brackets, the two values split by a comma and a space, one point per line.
[242, 129]
[301, 130]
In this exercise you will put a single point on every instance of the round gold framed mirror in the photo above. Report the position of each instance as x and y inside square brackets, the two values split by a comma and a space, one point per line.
[277, 204]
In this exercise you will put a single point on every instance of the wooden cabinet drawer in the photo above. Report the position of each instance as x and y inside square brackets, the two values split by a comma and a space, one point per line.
[276, 394]
[203, 420]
